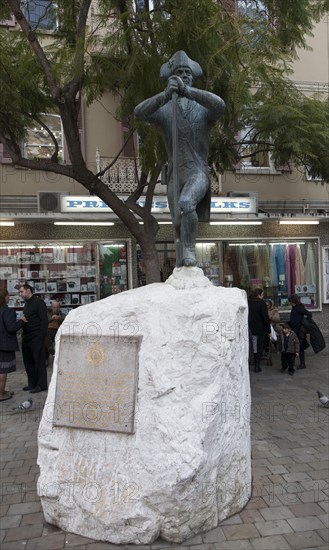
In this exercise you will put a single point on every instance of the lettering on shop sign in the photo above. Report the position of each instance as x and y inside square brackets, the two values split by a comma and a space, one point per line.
[96, 385]
[221, 205]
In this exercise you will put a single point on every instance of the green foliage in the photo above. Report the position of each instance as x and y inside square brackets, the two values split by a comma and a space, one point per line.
[246, 57]
[23, 89]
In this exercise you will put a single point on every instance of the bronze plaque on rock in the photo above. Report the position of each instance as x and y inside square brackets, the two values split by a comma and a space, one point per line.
[96, 385]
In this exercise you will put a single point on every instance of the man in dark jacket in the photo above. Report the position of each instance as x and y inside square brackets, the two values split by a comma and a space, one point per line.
[259, 324]
[33, 341]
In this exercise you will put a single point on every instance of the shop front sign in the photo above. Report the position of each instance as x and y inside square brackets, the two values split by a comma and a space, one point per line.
[219, 205]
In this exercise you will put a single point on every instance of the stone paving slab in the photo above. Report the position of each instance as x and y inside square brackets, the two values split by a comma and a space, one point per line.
[289, 506]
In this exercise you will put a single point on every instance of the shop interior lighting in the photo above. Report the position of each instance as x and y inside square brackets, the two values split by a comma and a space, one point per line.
[160, 223]
[286, 242]
[246, 244]
[236, 223]
[83, 223]
[299, 222]
[4, 223]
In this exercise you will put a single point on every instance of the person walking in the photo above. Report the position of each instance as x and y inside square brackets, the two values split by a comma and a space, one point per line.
[8, 342]
[288, 343]
[33, 341]
[297, 314]
[259, 324]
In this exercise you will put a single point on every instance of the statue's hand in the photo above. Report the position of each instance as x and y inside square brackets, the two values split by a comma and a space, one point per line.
[175, 84]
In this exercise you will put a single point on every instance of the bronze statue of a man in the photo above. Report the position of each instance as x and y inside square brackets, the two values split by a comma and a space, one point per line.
[185, 116]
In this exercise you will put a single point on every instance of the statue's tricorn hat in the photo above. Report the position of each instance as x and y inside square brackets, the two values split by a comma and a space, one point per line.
[179, 59]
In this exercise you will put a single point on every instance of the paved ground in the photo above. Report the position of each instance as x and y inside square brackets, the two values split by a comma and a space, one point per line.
[289, 508]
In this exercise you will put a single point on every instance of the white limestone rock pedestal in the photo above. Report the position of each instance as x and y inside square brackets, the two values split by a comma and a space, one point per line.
[188, 466]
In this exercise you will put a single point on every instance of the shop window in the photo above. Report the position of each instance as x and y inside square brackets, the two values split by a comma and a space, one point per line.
[41, 14]
[207, 256]
[62, 272]
[325, 270]
[38, 143]
[280, 268]
[113, 274]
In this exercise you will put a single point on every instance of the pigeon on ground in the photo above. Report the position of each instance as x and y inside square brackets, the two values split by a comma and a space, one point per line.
[25, 405]
[324, 400]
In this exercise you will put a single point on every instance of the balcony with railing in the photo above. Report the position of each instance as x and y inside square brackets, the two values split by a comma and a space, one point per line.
[123, 176]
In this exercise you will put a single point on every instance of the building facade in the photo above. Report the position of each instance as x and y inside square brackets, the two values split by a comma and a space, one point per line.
[269, 226]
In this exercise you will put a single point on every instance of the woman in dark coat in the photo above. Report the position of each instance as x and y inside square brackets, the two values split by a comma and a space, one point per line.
[259, 324]
[297, 314]
[8, 342]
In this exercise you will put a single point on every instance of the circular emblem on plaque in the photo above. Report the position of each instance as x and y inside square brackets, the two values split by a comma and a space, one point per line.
[95, 355]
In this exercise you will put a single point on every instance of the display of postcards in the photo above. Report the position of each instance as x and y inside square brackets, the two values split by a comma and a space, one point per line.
[91, 286]
[10, 260]
[47, 300]
[44, 273]
[84, 288]
[31, 283]
[39, 287]
[75, 299]
[33, 274]
[6, 272]
[72, 257]
[13, 286]
[13, 301]
[65, 300]
[51, 286]
[90, 271]
[116, 269]
[22, 273]
[92, 298]
[25, 257]
[123, 275]
[305, 288]
[59, 254]
[65, 310]
[74, 270]
[84, 299]
[73, 285]
[61, 286]
[46, 257]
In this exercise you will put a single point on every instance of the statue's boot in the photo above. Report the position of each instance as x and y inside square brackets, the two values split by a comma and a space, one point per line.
[189, 223]
[189, 258]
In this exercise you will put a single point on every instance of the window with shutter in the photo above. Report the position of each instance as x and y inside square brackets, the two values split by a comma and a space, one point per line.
[5, 158]
[130, 145]
[81, 127]
[11, 22]
[38, 144]
[253, 154]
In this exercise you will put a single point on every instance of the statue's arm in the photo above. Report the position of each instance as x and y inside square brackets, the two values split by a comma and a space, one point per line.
[213, 103]
[148, 108]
